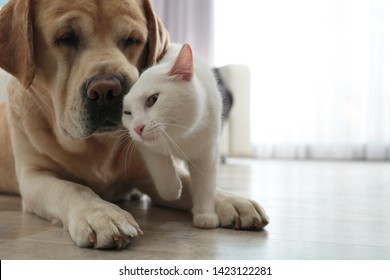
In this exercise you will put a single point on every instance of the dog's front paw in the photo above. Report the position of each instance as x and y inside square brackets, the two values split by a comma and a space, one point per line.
[240, 213]
[206, 220]
[102, 225]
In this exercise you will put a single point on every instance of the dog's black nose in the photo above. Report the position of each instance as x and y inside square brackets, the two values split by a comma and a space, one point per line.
[103, 91]
[103, 101]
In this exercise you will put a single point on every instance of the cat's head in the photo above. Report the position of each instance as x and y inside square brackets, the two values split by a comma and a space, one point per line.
[163, 103]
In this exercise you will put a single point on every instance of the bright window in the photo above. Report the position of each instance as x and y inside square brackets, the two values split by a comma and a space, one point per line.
[320, 74]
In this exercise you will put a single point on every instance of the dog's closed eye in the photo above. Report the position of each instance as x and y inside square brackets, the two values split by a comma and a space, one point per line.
[130, 42]
[68, 39]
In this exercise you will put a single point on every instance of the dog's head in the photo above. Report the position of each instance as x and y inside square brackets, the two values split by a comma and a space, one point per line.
[82, 55]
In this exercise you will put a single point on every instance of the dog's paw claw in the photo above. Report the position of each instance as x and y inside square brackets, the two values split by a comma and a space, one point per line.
[92, 238]
[103, 226]
[239, 213]
[237, 223]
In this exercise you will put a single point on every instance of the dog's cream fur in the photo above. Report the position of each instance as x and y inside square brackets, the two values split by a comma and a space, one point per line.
[64, 170]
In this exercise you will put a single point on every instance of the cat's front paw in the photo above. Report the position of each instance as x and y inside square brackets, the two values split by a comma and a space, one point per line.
[169, 189]
[206, 220]
[240, 213]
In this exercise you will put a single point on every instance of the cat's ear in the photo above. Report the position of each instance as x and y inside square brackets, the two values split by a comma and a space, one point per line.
[184, 64]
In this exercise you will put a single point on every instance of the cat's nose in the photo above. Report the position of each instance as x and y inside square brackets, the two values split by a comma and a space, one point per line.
[139, 129]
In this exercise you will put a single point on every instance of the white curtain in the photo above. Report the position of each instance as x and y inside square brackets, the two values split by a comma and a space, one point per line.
[189, 21]
[320, 74]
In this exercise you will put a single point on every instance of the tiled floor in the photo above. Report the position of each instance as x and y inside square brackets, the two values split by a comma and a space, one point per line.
[318, 210]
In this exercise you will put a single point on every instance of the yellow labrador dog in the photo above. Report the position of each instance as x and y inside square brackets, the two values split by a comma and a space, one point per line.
[73, 62]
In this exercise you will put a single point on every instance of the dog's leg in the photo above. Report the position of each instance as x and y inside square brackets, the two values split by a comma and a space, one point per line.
[91, 221]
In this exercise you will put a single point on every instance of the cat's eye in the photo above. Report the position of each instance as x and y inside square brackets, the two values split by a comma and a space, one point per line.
[127, 113]
[152, 100]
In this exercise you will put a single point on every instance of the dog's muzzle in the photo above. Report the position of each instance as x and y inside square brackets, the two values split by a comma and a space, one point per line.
[103, 102]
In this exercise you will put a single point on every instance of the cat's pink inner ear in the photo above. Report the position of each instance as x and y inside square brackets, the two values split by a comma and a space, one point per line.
[184, 65]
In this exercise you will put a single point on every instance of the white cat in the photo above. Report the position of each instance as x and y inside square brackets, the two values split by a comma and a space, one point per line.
[174, 110]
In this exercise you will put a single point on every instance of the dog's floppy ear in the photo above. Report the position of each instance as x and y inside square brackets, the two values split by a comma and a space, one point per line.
[16, 40]
[158, 40]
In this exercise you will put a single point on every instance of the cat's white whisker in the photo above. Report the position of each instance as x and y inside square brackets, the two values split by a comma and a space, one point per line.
[165, 144]
[175, 125]
[181, 152]
[153, 128]
[122, 138]
[128, 158]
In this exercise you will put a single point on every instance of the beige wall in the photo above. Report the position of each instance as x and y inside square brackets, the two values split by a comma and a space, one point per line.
[4, 77]
[236, 134]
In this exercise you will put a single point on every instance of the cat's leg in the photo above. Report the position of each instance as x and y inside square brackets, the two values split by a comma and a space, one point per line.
[233, 211]
[204, 180]
[164, 175]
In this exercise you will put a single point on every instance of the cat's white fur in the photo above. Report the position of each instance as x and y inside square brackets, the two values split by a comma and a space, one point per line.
[174, 110]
